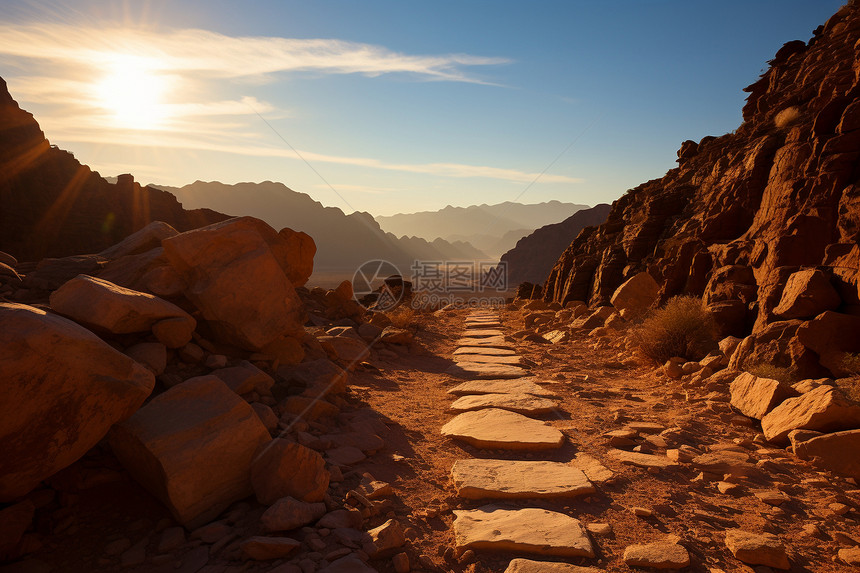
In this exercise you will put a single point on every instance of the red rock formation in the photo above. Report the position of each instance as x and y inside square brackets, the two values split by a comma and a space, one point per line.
[742, 212]
[53, 206]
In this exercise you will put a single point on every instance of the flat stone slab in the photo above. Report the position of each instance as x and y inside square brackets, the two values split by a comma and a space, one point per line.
[512, 479]
[642, 460]
[472, 325]
[494, 341]
[593, 469]
[494, 428]
[485, 350]
[517, 386]
[483, 333]
[662, 555]
[529, 566]
[492, 359]
[484, 370]
[529, 530]
[521, 403]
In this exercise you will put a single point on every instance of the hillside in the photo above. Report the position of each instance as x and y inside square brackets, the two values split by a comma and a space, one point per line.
[53, 206]
[744, 211]
[343, 241]
[533, 257]
[487, 227]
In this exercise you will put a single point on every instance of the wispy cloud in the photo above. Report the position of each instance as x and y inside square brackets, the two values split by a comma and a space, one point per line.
[220, 56]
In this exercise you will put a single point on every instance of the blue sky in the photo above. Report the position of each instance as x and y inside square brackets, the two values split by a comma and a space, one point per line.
[398, 106]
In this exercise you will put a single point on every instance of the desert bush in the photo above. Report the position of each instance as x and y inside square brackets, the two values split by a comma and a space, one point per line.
[786, 117]
[683, 327]
[851, 363]
[403, 317]
[767, 370]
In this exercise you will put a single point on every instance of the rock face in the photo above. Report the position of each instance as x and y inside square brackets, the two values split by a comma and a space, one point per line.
[192, 448]
[234, 273]
[63, 388]
[53, 206]
[750, 207]
[533, 257]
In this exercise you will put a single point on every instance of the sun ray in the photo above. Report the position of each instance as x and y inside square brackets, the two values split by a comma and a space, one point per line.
[133, 91]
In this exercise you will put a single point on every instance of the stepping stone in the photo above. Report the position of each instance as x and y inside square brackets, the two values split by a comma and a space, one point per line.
[520, 403]
[517, 386]
[485, 350]
[642, 460]
[513, 359]
[529, 566]
[661, 555]
[510, 479]
[497, 429]
[483, 324]
[530, 530]
[483, 333]
[593, 469]
[484, 370]
[494, 341]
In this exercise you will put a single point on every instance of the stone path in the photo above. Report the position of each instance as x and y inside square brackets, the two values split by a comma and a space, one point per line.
[500, 405]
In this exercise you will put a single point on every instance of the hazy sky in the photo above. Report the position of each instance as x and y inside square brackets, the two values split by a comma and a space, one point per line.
[397, 105]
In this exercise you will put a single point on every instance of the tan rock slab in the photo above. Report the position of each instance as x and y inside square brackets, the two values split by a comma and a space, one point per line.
[723, 462]
[838, 452]
[823, 409]
[492, 341]
[557, 336]
[757, 548]
[755, 397]
[521, 403]
[636, 294]
[500, 429]
[661, 555]
[529, 530]
[516, 386]
[473, 325]
[593, 469]
[529, 566]
[642, 460]
[512, 360]
[484, 370]
[485, 351]
[483, 333]
[510, 479]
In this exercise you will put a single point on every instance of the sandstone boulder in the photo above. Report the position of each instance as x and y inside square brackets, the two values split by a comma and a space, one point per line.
[831, 335]
[823, 409]
[289, 513]
[299, 253]
[245, 378]
[755, 397]
[757, 548]
[838, 452]
[344, 348]
[192, 448]
[62, 390]
[146, 239]
[237, 281]
[807, 293]
[288, 469]
[102, 305]
[637, 294]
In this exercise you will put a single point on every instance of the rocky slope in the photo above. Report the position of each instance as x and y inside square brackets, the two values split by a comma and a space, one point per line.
[534, 256]
[744, 211]
[54, 206]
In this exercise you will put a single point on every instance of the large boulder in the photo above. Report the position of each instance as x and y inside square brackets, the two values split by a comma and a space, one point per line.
[299, 254]
[288, 469]
[192, 448]
[104, 306]
[236, 279]
[637, 294]
[823, 409]
[807, 293]
[62, 389]
[831, 335]
[754, 397]
[838, 452]
[146, 239]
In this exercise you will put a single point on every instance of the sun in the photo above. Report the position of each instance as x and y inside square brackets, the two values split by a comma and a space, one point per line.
[133, 92]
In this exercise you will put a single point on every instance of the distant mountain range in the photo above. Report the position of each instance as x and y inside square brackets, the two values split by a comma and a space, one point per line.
[494, 229]
[343, 241]
[534, 256]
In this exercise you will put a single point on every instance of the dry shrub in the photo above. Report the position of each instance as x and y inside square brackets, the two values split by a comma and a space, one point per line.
[786, 117]
[403, 317]
[683, 327]
[851, 386]
[767, 370]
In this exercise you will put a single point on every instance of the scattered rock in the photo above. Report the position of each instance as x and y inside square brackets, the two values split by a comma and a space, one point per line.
[288, 469]
[755, 397]
[757, 548]
[289, 513]
[662, 555]
[266, 548]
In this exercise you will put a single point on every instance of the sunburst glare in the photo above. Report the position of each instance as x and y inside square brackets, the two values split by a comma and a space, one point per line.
[133, 91]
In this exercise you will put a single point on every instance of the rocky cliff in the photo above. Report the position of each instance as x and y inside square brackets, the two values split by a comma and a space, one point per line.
[54, 206]
[534, 255]
[744, 211]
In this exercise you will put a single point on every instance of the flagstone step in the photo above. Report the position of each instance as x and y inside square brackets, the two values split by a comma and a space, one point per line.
[515, 386]
[520, 403]
[513, 479]
[491, 359]
[494, 428]
[483, 333]
[485, 350]
[529, 530]
[484, 370]
[529, 566]
[493, 341]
